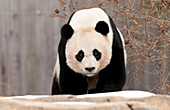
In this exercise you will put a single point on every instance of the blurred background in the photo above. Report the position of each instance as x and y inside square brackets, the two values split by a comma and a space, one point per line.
[30, 33]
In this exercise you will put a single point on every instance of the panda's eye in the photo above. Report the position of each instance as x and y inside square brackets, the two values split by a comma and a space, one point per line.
[80, 56]
[96, 54]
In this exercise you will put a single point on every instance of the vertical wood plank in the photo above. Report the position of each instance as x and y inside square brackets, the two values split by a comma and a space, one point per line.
[1, 62]
[29, 45]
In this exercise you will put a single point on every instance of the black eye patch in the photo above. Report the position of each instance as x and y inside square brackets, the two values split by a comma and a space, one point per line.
[97, 54]
[80, 56]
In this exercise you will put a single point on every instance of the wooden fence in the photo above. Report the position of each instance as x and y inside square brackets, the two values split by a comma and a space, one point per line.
[28, 46]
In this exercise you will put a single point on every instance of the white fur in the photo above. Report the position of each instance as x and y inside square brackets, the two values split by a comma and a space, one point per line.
[123, 43]
[81, 41]
[89, 62]
[86, 20]
[89, 18]
[57, 68]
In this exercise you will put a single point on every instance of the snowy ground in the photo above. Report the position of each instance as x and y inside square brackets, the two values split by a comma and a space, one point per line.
[122, 100]
[127, 94]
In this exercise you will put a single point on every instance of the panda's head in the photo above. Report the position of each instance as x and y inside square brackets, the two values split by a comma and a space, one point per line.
[87, 49]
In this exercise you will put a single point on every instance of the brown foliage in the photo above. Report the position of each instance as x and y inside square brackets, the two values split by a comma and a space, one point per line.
[62, 2]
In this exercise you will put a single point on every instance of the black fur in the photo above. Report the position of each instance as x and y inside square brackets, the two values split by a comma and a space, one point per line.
[111, 78]
[55, 86]
[97, 54]
[70, 82]
[80, 56]
[102, 27]
[67, 31]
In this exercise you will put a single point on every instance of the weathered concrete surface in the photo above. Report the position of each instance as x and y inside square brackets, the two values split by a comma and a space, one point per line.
[158, 102]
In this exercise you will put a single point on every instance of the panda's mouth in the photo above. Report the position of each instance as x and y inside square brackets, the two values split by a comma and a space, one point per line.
[90, 74]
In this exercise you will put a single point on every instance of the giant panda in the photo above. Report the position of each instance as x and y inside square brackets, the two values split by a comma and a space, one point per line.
[91, 55]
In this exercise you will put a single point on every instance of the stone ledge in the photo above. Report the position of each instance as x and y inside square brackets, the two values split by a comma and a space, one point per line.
[71, 102]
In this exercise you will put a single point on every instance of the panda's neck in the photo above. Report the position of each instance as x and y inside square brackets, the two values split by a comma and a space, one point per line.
[92, 82]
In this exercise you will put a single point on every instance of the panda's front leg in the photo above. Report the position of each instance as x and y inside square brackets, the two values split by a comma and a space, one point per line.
[110, 83]
[73, 83]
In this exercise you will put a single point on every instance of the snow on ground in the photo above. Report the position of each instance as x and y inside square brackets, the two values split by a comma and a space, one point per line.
[128, 94]
[28, 97]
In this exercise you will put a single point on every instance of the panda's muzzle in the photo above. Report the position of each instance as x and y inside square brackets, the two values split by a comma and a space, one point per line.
[89, 69]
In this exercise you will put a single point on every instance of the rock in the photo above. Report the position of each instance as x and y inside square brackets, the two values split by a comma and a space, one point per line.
[105, 101]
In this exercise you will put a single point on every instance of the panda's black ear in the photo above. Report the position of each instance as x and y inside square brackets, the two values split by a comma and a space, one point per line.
[102, 27]
[67, 31]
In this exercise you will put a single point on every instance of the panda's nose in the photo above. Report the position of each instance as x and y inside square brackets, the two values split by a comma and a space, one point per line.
[89, 68]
